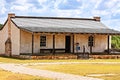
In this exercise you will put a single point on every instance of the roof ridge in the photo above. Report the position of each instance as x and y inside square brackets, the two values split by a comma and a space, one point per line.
[70, 18]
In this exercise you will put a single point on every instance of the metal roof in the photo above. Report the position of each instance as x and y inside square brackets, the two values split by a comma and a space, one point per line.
[69, 25]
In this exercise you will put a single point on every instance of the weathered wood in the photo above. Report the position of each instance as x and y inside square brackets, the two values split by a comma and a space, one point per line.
[50, 50]
[53, 44]
[32, 42]
[90, 49]
[108, 44]
[83, 49]
[73, 43]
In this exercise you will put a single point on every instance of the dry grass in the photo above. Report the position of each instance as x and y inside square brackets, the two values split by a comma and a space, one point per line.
[79, 69]
[85, 69]
[6, 75]
[12, 60]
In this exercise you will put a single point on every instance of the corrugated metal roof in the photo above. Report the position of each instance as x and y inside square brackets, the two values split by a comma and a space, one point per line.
[71, 30]
[42, 24]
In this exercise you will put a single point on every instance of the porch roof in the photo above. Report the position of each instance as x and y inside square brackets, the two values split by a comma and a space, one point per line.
[64, 25]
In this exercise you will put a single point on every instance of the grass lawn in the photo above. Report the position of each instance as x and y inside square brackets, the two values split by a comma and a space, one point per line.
[79, 69]
[6, 75]
[85, 69]
[12, 60]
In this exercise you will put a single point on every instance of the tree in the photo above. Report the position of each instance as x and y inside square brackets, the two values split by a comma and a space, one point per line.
[115, 42]
[0, 26]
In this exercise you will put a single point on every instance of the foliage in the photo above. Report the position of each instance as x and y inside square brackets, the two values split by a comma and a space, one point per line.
[115, 43]
[0, 26]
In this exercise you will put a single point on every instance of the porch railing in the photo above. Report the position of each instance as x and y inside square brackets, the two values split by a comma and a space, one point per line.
[87, 49]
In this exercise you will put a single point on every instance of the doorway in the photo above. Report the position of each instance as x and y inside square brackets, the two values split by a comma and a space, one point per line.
[68, 44]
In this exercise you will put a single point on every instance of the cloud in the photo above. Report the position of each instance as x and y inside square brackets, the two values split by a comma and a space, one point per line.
[69, 4]
[19, 8]
[21, 5]
[69, 13]
[108, 10]
[42, 1]
[112, 23]
[2, 7]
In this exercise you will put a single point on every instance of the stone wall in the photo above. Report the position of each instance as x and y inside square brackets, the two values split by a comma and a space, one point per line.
[3, 38]
[15, 39]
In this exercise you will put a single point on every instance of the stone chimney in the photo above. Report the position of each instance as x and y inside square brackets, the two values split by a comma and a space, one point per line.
[8, 43]
[11, 15]
[96, 18]
[9, 23]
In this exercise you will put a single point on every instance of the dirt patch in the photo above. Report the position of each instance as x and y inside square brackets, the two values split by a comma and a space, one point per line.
[98, 75]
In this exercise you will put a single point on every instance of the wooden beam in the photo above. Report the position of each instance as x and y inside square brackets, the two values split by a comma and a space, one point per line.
[73, 44]
[90, 49]
[108, 40]
[83, 49]
[32, 42]
[53, 44]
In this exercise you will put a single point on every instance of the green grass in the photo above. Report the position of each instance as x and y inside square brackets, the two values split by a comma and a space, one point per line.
[6, 75]
[12, 60]
[85, 69]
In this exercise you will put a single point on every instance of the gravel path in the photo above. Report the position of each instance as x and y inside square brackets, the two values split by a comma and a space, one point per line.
[49, 63]
[43, 73]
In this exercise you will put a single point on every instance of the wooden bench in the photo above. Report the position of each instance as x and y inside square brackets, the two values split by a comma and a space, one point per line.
[50, 50]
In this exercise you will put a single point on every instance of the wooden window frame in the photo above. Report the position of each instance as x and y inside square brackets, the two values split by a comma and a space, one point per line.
[91, 41]
[43, 41]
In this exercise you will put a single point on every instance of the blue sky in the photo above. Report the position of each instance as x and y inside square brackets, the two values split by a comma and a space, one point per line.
[108, 10]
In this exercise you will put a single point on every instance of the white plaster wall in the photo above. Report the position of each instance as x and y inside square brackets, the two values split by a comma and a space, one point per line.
[15, 39]
[100, 43]
[25, 42]
[3, 38]
[82, 40]
[60, 41]
[36, 43]
[49, 41]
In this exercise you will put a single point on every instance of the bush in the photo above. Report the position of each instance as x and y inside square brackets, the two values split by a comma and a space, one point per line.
[0, 26]
[115, 42]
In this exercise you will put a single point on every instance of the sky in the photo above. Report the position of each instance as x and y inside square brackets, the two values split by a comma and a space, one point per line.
[108, 10]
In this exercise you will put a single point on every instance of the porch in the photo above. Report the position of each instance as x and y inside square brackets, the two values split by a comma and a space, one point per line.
[69, 56]
[72, 43]
[49, 42]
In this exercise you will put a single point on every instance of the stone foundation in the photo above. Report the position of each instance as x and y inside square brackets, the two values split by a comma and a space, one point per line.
[8, 47]
[105, 56]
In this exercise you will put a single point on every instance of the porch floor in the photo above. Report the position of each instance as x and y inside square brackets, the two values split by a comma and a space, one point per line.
[69, 56]
[55, 56]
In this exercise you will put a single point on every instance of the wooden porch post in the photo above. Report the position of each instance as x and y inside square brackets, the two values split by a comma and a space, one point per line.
[73, 44]
[108, 40]
[90, 49]
[32, 42]
[91, 43]
[53, 44]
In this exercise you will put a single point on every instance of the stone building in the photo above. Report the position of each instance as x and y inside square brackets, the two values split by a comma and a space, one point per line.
[30, 35]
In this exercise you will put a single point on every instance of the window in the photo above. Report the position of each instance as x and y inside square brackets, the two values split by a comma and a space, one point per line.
[91, 41]
[42, 41]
